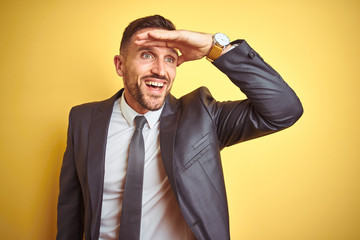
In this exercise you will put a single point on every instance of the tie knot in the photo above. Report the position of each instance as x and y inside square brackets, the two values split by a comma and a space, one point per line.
[140, 121]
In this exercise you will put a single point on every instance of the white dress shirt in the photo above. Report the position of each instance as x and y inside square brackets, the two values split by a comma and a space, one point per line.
[161, 217]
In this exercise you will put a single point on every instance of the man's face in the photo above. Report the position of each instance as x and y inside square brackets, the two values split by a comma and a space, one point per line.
[148, 74]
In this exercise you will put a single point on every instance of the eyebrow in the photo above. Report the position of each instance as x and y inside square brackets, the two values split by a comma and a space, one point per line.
[151, 48]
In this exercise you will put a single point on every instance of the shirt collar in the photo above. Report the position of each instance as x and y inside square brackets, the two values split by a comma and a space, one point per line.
[152, 117]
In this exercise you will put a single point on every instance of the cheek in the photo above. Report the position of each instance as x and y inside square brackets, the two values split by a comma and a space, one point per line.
[138, 67]
[172, 73]
[135, 72]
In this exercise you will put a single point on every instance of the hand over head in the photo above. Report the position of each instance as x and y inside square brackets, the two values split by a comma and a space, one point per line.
[192, 45]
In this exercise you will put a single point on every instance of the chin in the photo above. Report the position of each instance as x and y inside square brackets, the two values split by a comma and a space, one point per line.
[154, 105]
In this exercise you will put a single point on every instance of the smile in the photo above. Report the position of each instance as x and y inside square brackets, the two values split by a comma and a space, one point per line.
[153, 84]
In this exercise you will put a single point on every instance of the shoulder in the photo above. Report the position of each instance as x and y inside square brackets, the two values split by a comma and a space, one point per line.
[197, 102]
[85, 110]
[85, 107]
[199, 98]
[201, 94]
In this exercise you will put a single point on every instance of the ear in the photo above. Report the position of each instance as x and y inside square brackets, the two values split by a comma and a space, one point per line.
[119, 65]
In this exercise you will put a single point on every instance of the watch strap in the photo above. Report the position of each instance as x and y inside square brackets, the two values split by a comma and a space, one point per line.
[214, 53]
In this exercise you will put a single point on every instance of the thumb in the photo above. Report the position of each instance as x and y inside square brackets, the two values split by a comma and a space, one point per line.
[181, 60]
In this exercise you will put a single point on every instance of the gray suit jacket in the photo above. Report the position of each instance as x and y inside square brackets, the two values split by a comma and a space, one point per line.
[193, 130]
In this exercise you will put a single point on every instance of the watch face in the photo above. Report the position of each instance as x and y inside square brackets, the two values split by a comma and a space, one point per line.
[222, 39]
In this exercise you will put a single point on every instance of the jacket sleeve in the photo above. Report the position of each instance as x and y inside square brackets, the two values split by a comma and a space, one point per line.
[70, 222]
[271, 105]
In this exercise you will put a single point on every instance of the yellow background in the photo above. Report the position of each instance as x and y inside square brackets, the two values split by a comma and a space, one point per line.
[301, 183]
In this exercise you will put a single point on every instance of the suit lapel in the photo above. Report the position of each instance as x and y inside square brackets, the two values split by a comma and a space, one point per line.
[168, 125]
[96, 156]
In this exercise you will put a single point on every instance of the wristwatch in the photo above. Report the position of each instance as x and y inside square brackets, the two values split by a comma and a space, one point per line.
[220, 42]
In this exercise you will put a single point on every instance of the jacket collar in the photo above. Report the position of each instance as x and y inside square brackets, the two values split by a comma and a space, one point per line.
[98, 131]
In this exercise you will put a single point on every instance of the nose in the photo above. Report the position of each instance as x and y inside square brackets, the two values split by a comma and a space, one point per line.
[158, 67]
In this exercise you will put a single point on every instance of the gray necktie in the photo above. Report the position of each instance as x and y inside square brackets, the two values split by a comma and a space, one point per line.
[130, 221]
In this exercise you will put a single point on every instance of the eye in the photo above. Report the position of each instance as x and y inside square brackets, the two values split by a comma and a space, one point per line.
[147, 55]
[169, 59]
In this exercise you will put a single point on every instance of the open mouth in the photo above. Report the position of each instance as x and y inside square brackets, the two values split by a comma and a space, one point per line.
[154, 85]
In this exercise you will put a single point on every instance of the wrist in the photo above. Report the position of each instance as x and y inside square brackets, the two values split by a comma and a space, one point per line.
[219, 46]
[210, 43]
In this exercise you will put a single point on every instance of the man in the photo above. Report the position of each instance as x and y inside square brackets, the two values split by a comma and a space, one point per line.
[183, 191]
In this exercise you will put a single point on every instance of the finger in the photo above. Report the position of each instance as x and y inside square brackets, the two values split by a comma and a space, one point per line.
[143, 36]
[164, 34]
[147, 36]
[142, 42]
[151, 43]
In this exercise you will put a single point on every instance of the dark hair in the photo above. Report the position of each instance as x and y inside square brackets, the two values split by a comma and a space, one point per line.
[155, 21]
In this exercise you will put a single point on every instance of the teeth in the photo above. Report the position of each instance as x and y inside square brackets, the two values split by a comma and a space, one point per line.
[155, 84]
